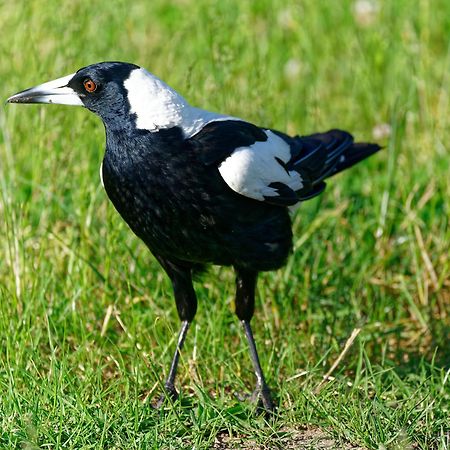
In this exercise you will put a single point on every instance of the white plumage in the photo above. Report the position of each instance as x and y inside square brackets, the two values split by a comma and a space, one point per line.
[250, 170]
[158, 106]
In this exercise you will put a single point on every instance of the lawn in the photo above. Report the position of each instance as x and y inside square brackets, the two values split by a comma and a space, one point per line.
[87, 319]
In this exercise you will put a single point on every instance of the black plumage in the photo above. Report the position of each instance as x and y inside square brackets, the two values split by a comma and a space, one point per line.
[200, 188]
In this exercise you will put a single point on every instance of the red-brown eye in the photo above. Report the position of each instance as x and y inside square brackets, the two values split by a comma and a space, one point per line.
[89, 85]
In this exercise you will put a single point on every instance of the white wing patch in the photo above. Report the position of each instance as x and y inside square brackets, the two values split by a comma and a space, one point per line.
[250, 170]
[157, 106]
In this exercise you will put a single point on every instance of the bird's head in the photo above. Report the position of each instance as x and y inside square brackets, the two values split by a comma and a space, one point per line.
[122, 94]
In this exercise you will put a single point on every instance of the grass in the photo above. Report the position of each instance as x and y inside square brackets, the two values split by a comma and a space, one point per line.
[87, 320]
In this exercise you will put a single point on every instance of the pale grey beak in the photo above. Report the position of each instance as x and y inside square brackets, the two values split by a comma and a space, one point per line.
[55, 91]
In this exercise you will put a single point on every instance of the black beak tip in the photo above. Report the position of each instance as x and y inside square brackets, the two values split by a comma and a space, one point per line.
[21, 97]
[16, 99]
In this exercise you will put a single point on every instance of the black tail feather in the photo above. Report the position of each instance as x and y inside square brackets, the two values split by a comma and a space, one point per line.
[321, 155]
[356, 153]
[341, 152]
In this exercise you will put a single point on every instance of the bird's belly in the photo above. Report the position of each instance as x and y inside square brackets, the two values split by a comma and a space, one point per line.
[200, 224]
[165, 229]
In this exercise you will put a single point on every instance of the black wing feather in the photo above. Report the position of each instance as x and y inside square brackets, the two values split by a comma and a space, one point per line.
[285, 195]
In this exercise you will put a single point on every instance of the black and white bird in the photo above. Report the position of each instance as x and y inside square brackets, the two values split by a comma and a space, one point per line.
[198, 187]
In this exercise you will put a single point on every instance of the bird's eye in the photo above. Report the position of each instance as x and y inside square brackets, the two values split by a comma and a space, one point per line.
[89, 85]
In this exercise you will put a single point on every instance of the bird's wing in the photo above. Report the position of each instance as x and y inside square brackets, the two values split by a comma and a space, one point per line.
[267, 165]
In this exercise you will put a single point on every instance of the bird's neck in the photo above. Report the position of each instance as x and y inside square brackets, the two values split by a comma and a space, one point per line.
[129, 144]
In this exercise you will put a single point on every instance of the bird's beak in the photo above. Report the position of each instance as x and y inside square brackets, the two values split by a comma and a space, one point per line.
[55, 91]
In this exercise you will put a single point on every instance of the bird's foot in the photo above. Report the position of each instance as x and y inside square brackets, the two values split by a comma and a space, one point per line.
[261, 397]
[169, 393]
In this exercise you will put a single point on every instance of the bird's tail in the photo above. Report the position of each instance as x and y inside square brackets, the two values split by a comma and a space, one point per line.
[322, 155]
[342, 151]
[354, 154]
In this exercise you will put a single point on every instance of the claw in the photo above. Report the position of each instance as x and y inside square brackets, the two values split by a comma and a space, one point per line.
[169, 392]
[260, 396]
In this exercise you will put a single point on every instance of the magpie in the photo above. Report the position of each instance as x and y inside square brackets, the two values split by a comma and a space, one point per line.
[200, 188]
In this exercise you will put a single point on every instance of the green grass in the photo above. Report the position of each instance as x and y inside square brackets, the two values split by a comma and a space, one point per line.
[372, 252]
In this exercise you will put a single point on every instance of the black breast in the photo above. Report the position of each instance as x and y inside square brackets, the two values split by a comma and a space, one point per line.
[182, 209]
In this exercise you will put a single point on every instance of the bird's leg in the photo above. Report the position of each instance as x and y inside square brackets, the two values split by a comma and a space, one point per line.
[262, 391]
[245, 305]
[186, 302]
[169, 385]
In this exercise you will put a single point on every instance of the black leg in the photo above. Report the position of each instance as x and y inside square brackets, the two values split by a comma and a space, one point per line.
[169, 385]
[186, 302]
[262, 391]
[245, 305]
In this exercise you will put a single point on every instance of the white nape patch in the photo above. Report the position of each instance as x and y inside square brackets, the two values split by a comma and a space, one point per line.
[250, 170]
[158, 106]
